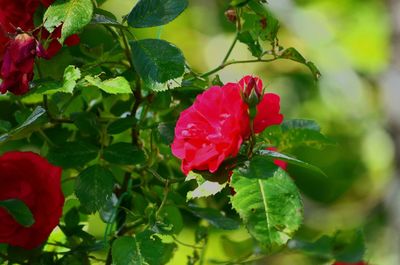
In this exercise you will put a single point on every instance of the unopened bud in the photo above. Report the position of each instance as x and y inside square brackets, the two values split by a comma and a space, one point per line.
[231, 15]
[252, 92]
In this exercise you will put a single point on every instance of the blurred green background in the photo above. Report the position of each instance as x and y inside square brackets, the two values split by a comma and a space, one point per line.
[351, 43]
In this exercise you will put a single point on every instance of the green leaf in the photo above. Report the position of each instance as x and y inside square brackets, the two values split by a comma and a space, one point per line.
[294, 55]
[258, 167]
[239, 3]
[86, 122]
[271, 208]
[118, 85]
[157, 60]
[49, 87]
[72, 154]
[5, 126]
[151, 13]
[126, 251]
[71, 75]
[214, 217]
[344, 246]
[121, 125]
[34, 117]
[205, 189]
[144, 248]
[167, 132]
[94, 187]
[30, 124]
[19, 211]
[265, 25]
[349, 246]
[72, 218]
[275, 155]
[287, 137]
[322, 247]
[171, 216]
[124, 154]
[252, 43]
[300, 124]
[73, 15]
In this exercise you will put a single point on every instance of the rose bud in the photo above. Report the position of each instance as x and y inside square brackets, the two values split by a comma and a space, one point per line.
[230, 14]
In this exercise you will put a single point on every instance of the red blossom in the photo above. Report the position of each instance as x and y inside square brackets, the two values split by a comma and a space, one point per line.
[29, 177]
[17, 14]
[17, 67]
[215, 126]
[210, 130]
[17, 54]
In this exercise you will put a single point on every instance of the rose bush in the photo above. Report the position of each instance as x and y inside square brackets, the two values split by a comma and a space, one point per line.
[30, 178]
[215, 126]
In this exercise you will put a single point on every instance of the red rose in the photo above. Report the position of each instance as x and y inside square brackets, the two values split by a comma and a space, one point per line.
[214, 127]
[17, 67]
[17, 55]
[29, 177]
[17, 14]
[210, 130]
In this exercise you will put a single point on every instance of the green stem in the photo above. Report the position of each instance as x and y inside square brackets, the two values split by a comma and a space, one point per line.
[160, 178]
[230, 49]
[222, 66]
[164, 201]
[185, 244]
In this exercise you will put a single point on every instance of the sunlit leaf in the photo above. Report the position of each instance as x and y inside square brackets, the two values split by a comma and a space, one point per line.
[270, 207]
[73, 15]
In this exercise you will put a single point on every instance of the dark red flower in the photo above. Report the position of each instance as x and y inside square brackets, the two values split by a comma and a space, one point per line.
[17, 14]
[215, 126]
[17, 54]
[46, 3]
[29, 177]
[17, 67]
